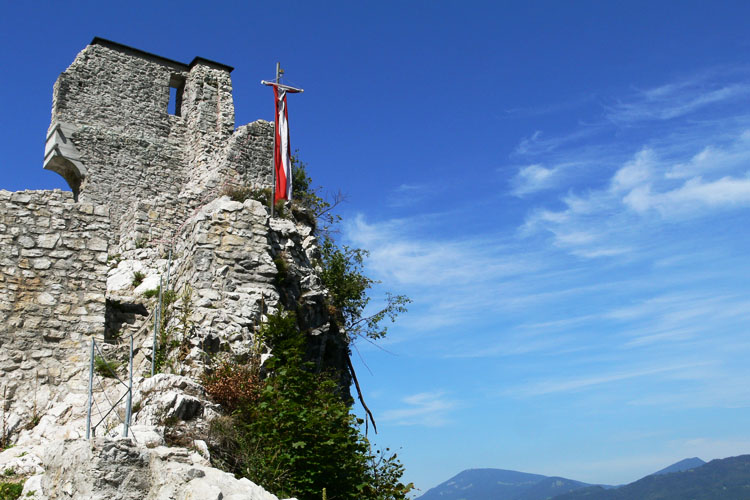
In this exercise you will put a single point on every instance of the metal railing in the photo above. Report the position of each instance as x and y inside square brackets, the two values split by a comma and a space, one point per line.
[107, 366]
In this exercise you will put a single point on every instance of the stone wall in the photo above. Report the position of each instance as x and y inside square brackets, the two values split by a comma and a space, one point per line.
[248, 151]
[242, 265]
[53, 271]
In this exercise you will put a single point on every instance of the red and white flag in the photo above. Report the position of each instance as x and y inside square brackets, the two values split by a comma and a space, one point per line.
[282, 155]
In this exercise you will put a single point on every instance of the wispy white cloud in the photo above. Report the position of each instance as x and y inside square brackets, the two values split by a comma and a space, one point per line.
[399, 255]
[605, 221]
[429, 409]
[695, 195]
[550, 108]
[539, 143]
[533, 178]
[675, 100]
[708, 390]
[513, 344]
[581, 383]
[709, 448]
[410, 194]
[713, 159]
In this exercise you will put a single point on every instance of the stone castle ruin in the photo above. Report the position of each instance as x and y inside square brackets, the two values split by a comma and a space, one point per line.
[147, 145]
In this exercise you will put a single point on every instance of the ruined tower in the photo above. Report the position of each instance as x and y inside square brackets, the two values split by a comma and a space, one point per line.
[149, 137]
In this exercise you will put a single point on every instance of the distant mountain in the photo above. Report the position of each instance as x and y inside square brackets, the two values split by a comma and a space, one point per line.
[499, 484]
[682, 465]
[550, 487]
[725, 479]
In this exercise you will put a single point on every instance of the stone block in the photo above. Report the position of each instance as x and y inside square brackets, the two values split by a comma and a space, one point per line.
[31, 252]
[97, 244]
[41, 263]
[26, 241]
[20, 197]
[46, 299]
[48, 241]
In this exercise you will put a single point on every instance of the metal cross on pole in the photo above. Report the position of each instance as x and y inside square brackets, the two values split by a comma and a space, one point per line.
[279, 72]
[286, 88]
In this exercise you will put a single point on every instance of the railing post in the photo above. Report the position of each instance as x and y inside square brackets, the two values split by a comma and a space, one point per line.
[153, 344]
[169, 266]
[129, 407]
[91, 390]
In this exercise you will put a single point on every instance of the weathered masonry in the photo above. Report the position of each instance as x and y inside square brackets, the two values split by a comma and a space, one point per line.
[115, 141]
[147, 145]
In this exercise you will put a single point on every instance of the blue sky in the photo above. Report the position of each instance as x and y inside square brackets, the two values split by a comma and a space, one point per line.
[563, 189]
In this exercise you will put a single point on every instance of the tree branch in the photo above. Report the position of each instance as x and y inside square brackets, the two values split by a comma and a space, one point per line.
[359, 394]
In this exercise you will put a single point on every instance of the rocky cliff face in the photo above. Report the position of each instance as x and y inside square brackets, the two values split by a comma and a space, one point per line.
[146, 208]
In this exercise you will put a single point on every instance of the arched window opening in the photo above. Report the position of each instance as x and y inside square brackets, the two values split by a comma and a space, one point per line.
[69, 171]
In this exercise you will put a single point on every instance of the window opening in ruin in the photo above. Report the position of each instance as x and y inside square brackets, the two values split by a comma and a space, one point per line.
[176, 87]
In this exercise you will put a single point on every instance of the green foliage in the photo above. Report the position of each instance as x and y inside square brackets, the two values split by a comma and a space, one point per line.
[262, 195]
[114, 260]
[154, 292]
[165, 340]
[299, 437]
[282, 271]
[385, 472]
[301, 182]
[169, 297]
[343, 275]
[106, 368]
[243, 193]
[138, 278]
[186, 324]
[10, 490]
[307, 203]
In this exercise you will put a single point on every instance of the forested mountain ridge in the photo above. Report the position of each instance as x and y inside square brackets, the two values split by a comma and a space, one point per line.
[722, 479]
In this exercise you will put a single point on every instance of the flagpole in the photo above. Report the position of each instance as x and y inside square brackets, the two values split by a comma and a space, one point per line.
[275, 133]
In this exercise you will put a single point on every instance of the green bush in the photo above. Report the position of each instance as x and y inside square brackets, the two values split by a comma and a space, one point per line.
[138, 278]
[243, 193]
[343, 275]
[105, 368]
[282, 271]
[10, 490]
[165, 338]
[307, 203]
[300, 436]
